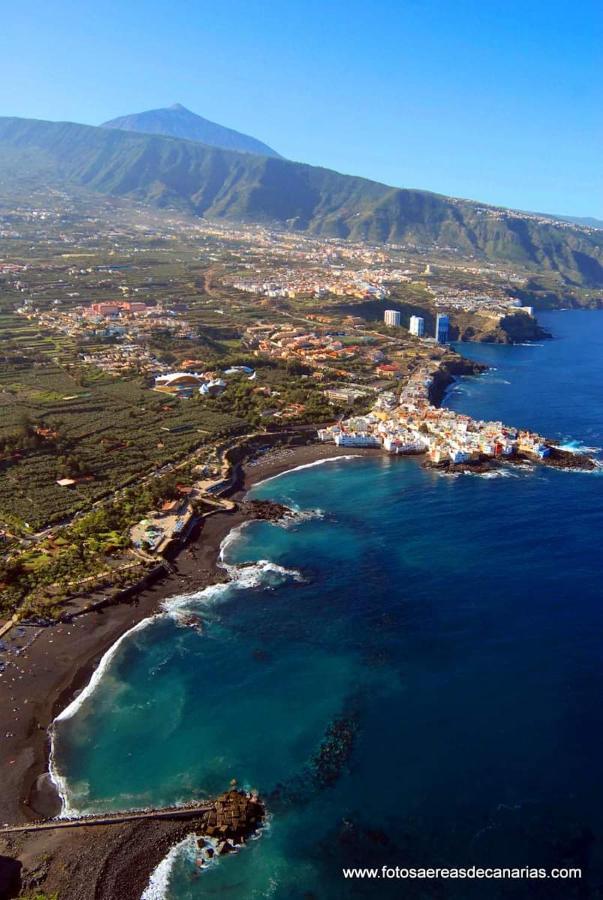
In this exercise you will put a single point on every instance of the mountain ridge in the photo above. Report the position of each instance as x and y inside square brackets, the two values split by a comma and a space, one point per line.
[241, 187]
[585, 221]
[179, 122]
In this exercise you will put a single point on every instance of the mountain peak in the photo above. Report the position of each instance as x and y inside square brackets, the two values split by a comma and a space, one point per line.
[179, 122]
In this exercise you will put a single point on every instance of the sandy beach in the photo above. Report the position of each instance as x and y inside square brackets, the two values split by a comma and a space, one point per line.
[45, 668]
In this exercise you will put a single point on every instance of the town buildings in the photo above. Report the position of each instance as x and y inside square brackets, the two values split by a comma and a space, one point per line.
[442, 328]
[414, 425]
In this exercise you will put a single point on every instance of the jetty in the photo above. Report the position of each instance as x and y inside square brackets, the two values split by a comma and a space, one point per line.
[112, 854]
[118, 818]
[233, 814]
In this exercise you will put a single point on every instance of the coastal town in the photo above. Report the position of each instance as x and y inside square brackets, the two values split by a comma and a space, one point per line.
[411, 424]
[139, 345]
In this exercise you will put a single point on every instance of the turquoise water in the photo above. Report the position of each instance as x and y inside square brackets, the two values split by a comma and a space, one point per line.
[444, 634]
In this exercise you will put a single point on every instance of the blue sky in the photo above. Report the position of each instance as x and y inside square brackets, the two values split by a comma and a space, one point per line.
[496, 101]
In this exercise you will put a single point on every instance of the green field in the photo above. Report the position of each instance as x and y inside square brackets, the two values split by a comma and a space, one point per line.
[107, 435]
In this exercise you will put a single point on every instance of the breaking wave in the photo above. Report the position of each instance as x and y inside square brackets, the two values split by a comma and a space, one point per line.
[576, 446]
[493, 473]
[100, 670]
[241, 576]
[310, 465]
[57, 779]
[190, 852]
[159, 880]
[297, 516]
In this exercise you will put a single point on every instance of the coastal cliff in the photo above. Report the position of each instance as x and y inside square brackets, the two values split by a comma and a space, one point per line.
[480, 327]
[516, 328]
[445, 375]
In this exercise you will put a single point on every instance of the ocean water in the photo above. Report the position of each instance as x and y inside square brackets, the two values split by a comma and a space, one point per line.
[411, 673]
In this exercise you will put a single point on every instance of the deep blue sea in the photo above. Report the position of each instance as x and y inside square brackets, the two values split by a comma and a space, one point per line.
[440, 638]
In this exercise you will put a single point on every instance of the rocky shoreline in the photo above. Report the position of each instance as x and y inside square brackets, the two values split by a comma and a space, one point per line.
[264, 510]
[557, 459]
[445, 376]
[568, 459]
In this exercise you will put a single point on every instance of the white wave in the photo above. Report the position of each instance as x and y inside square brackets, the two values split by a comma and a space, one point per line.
[174, 606]
[317, 462]
[240, 577]
[67, 810]
[98, 673]
[577, 446]
[262, 573]
[491, 473]
[231, 538]
[159, 880]
[189, 849]
[296, 516]
[55, 776]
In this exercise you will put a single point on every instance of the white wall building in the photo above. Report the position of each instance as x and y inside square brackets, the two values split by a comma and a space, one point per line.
[392, 317]
[417, 326]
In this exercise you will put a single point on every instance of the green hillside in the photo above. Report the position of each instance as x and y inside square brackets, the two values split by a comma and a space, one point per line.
[223, 184]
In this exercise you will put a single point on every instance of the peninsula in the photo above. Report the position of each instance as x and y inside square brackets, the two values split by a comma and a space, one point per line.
[412, 423]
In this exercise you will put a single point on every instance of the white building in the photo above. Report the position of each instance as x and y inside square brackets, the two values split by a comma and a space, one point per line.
[417, 326]
[357, 439]
[392, 317]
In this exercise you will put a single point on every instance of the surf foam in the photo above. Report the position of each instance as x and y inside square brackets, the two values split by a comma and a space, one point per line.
[310, 465]
[57, 779]
[240, 577]
[159, 880]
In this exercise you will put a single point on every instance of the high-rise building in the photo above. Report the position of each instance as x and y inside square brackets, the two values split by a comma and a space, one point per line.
[417, 326]
[442, 328]
[392, 317]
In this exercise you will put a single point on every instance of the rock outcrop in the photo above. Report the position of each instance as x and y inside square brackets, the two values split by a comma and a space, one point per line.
[265, 510]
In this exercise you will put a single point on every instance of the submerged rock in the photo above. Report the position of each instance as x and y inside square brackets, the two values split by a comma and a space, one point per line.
[335, 750]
